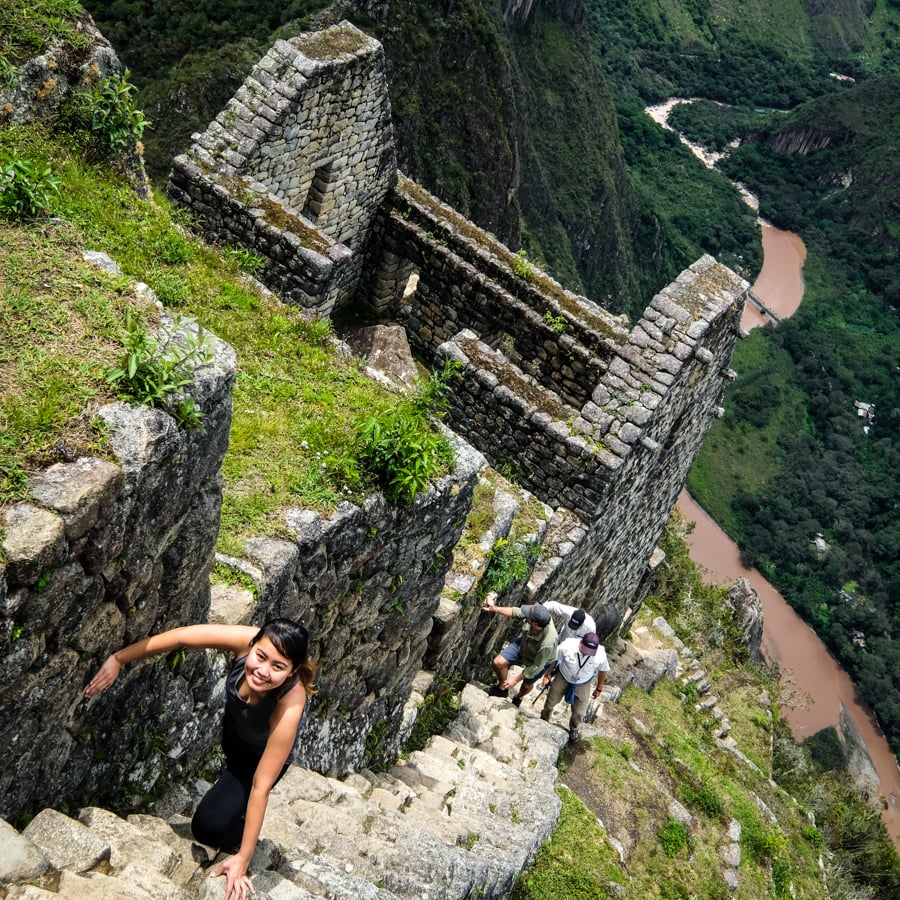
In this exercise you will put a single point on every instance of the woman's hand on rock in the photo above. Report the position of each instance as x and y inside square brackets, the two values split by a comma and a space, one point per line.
[105, 676]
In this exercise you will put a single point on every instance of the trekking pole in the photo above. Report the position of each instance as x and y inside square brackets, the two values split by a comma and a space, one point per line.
[540, 690]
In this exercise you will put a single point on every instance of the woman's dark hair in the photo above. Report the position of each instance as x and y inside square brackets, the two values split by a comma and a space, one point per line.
[291, 640]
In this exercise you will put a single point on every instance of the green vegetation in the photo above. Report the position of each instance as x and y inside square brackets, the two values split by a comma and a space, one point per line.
[557, 323]
[106, 113]
[791, 458]
[435, 713]
[818, 816]
[714, 125]
[28, 190]
[28, 29]
[521, 266]
[509, 562]
[152, 369]
[294, 400]
[397, 449]
[575, 862]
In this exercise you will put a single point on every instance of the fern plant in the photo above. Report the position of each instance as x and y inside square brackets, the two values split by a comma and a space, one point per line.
[151, 370]
[509, 562]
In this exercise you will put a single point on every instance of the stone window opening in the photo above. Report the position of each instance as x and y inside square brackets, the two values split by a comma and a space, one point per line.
[319, 199]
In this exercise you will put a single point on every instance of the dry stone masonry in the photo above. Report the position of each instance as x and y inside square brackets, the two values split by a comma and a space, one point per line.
[600, 421]
[101, 554]
[298, 163]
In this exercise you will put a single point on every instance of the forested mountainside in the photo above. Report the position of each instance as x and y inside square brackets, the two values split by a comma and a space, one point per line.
[509, 121]
[793, 457]
[507, 118]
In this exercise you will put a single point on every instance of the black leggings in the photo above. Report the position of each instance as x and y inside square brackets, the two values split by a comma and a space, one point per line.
[219, 819]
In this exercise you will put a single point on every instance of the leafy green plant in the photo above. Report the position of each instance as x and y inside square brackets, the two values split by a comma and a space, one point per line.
[673, 838]
[108, 115]
[247, 260]
[399, 448]
[509, 562]
[152, 370]
[27, 188]
[522, 267]
[433, 395]
[557, 323]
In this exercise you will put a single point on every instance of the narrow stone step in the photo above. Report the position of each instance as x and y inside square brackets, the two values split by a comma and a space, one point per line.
[706, 704]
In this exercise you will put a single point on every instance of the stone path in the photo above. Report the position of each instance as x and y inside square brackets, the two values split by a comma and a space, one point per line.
[461, 818]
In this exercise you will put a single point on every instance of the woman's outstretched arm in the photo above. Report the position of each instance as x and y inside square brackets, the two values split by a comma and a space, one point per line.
[234, 638]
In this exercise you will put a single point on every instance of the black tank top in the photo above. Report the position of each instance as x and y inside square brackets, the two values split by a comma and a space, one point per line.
[246, 725]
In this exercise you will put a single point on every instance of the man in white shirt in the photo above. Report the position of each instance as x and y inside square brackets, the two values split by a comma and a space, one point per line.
[569, 620]
[578, 660]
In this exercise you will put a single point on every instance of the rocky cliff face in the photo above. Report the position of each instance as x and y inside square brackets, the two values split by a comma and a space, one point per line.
[506, 118]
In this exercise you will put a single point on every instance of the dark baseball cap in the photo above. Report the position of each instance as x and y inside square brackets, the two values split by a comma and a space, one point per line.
[537, 613]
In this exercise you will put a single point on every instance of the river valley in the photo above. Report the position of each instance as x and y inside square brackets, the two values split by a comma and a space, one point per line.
[814, 686]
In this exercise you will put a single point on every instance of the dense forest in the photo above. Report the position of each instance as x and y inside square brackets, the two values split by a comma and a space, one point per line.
[815, 465]
[524, 128]
[793, 459]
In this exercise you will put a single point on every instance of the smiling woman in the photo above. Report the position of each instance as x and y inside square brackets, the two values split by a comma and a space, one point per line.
[265, 702]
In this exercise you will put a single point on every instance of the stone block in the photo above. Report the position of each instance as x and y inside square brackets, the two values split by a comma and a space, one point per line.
[67, 843]
[34, 541]
[20, 858]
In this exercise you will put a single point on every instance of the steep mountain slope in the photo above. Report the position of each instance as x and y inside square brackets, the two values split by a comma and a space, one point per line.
[793, 457]
[509, 121]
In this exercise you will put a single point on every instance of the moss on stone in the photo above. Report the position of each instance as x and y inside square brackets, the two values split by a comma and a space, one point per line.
[275, 213]
[539, 286]
[330, 43]
[533, 394]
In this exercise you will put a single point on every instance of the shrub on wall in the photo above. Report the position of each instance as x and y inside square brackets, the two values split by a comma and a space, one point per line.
[399, 449]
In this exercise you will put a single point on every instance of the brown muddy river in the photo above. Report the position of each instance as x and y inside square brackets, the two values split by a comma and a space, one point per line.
[813, 685]
[780, 282]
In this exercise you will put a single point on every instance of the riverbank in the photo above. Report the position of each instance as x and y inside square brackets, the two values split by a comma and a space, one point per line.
[814, 685]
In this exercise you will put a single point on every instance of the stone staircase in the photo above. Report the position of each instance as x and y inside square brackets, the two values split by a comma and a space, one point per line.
[460, 818]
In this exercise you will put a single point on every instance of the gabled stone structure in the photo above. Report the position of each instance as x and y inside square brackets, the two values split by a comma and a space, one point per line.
[601, 421]
[298, 163]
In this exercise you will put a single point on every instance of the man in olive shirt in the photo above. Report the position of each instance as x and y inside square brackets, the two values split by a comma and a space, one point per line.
[534, 649]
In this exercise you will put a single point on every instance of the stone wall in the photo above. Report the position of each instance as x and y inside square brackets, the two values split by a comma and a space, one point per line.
[368, 581]
[467, 279]
[619, 462]
[103, 553]
[304, 148]
[601, 422]
[660, 395]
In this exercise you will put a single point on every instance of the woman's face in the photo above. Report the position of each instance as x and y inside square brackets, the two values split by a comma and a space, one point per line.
[265, 668]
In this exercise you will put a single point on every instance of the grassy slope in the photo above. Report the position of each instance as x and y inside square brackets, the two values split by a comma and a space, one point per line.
[657, 745]
[294, 399]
